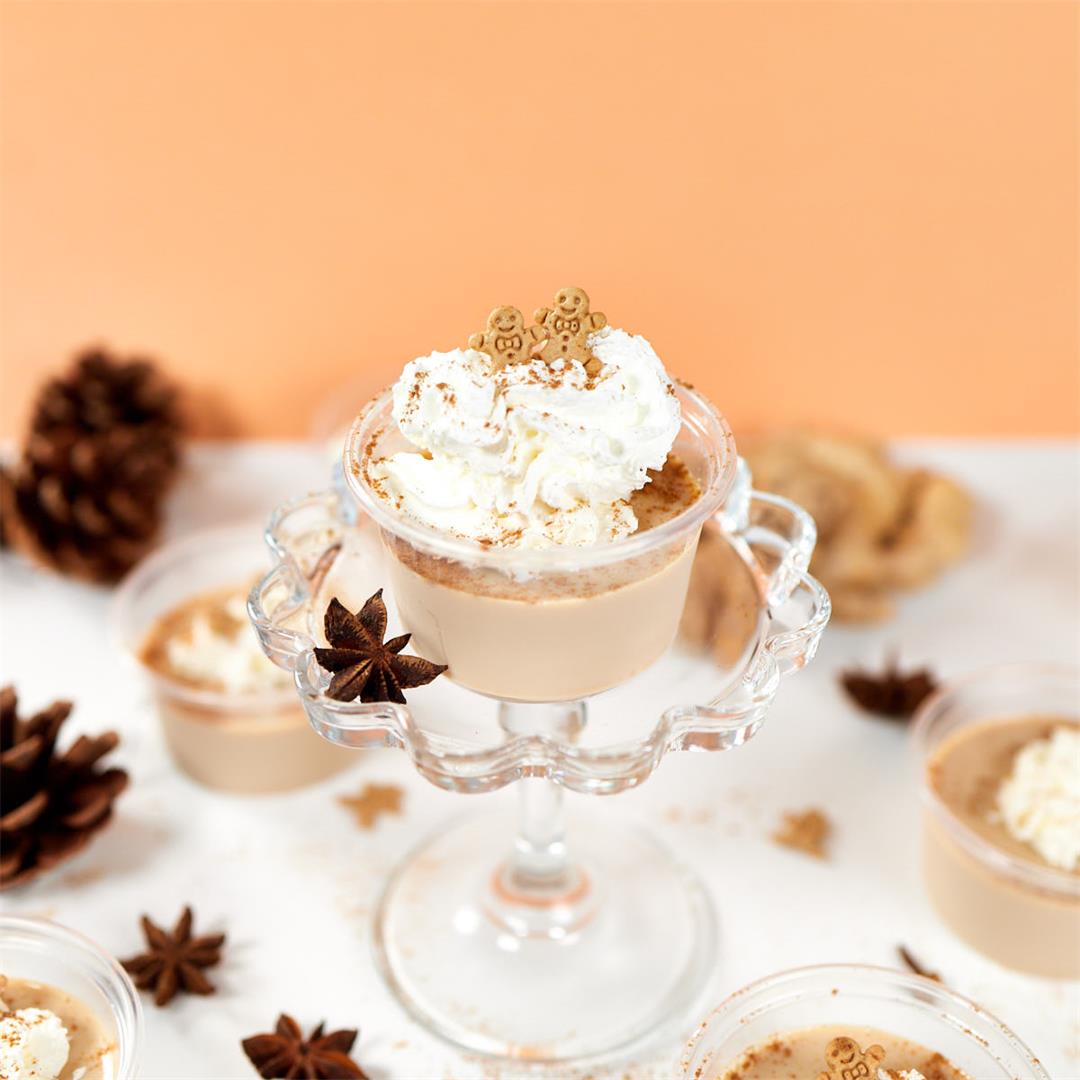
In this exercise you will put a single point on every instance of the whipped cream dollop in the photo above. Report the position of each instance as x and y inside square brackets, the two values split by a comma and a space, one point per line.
[1039, 802]
[530, 455]
[224, 652]
[33, 1044]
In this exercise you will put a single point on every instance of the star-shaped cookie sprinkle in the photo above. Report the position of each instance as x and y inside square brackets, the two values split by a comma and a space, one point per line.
[805, 830]
[372, 802]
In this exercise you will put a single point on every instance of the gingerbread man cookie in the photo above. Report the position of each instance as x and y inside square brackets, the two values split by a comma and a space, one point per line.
[507, 340]
[567, 326]
[847, 1062]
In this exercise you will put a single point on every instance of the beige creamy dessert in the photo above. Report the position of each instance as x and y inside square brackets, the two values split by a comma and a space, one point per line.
[1015, 784]
[467, 615]
[835, 1052]
[46, 1034]
[536, 441]
[228, 713]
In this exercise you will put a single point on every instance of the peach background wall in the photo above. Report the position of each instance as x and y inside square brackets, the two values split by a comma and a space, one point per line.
[852, 213]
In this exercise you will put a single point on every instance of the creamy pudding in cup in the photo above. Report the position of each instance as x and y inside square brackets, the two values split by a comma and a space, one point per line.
[66, 1006]
[802, 1023]
[1001, 814]
[230, 717]
[540, 516]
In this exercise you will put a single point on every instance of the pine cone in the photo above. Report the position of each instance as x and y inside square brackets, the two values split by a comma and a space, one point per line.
[85, 497]
[50, 805]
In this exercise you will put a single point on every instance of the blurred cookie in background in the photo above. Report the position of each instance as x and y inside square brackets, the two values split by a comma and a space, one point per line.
[882, 528]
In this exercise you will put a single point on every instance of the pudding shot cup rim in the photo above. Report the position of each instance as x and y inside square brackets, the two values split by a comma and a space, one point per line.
[128, 633]
[758, 998]
[705, 421]
[1028, 873]
[94, 963]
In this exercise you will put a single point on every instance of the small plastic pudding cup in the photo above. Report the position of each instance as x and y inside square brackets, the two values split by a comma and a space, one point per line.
[40, 951]
[1023, 914]
[556, 624]
[905, 1006]
[245, 743]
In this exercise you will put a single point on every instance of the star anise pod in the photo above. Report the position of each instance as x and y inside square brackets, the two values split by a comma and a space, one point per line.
[893, 693]
[284, 1053]
[174, 960]
[363, 665]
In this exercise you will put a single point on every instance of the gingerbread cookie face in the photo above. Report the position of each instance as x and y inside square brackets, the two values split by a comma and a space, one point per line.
[567, 326]
[572, 303]
[506, 340]
[846, 1061]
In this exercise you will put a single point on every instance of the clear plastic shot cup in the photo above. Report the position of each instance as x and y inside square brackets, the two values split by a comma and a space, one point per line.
[1022, 913]
[906, 1006]
[40, 951]
[557, 624]
[243, 742]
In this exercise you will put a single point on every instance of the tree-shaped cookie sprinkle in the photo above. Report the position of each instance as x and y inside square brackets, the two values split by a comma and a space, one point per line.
[507, 340]
[567, 326]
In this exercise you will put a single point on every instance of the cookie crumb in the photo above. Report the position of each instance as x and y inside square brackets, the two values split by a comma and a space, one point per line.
[804, 830]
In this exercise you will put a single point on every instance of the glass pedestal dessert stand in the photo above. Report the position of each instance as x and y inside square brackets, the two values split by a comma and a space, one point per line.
[530, 946]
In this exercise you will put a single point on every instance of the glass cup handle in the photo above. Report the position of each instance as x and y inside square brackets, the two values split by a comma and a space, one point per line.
[273, 599]
[735, 716]
[303, 537]
[773, 524]
[785, 534]
[356, 726]
[781, 536]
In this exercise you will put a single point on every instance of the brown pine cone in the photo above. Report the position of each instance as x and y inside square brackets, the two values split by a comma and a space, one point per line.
[50, 805]
[85, 497]
[101, 393]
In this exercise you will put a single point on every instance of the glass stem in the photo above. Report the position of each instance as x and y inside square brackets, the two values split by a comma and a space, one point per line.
[540, 856]
[539, 888]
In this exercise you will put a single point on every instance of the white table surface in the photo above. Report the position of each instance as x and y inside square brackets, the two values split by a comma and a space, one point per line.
[292, 879]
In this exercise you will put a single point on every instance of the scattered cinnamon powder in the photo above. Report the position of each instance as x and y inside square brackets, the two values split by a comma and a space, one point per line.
[216, 607]
[938, 1067]
[669, 492]
[805, 830]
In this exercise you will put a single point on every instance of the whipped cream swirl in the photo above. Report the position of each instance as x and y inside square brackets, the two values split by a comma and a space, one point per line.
[530, 455]
[1039, 801]
[220, 649]
[33, 1045]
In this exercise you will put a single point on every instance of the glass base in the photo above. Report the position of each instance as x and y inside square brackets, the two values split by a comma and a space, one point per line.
[595, 971]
